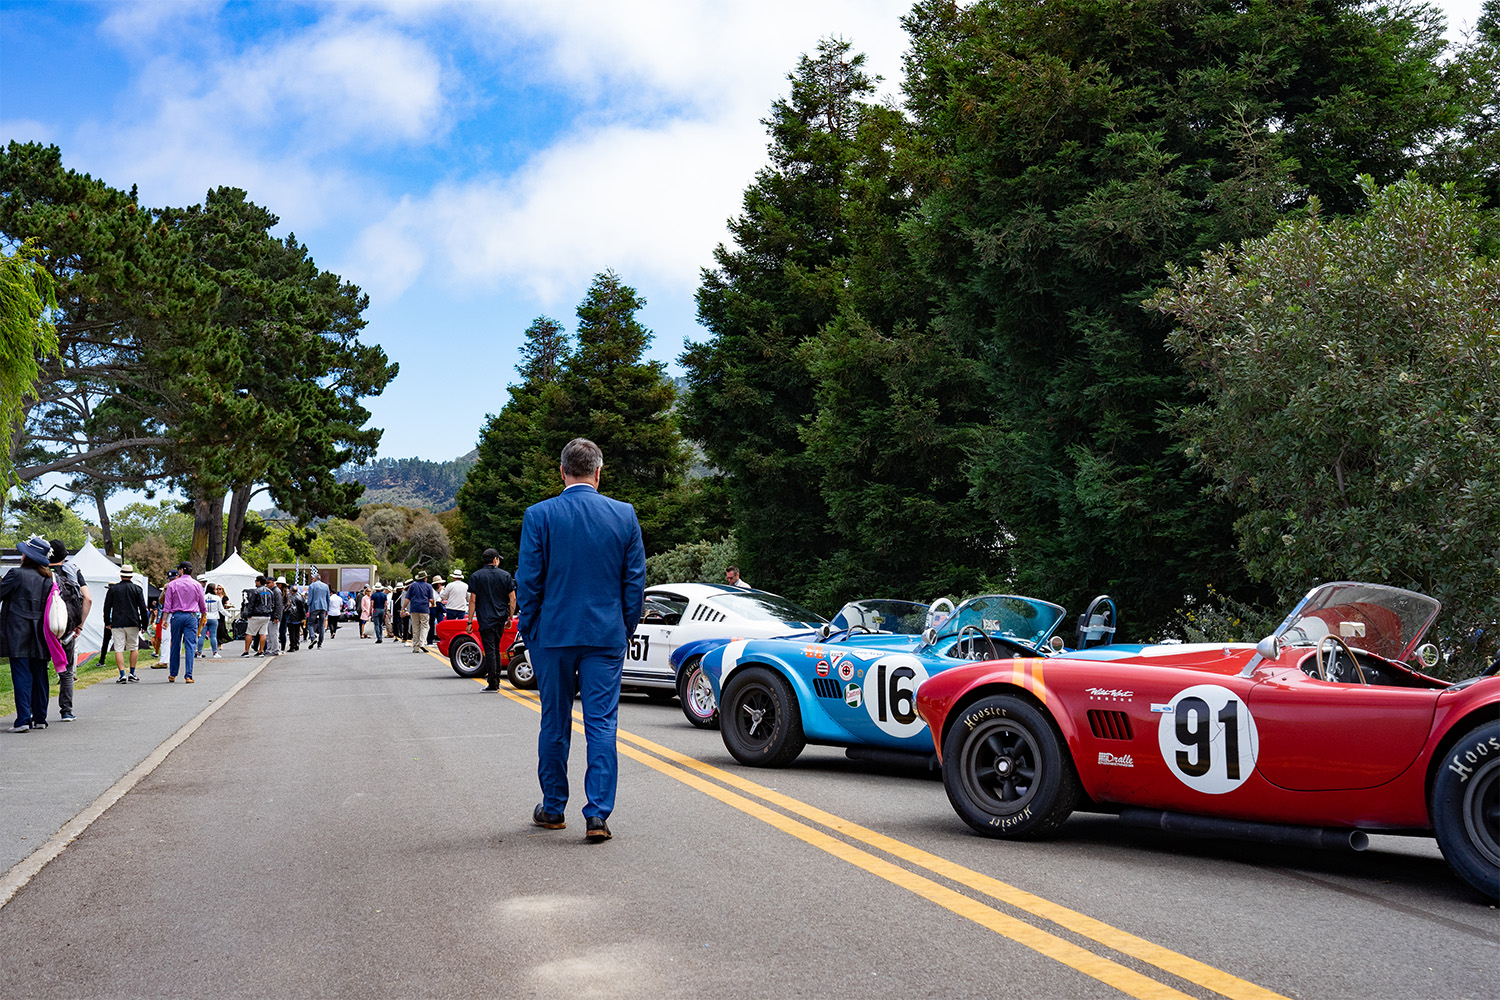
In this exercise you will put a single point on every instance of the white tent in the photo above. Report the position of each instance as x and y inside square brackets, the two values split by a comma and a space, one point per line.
[99, 571]
[235, 576]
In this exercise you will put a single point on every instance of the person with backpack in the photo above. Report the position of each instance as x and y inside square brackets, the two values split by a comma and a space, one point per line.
[258, 617]
[76, 597]
[294, 610]
[125, 615]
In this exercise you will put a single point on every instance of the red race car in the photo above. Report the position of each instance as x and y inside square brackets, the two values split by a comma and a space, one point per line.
[1322, 731]
[458, 640]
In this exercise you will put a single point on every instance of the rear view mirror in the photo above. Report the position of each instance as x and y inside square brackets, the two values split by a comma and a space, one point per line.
[825, 630]
[1056, 642]
[929, 636]
[1429, 655]
[1268, 648]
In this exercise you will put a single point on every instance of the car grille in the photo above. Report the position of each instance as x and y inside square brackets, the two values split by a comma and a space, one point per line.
[1110, 725]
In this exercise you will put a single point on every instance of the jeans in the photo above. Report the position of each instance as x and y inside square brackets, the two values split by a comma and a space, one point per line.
[597, 670]
[28, 675]
[379, 619]
[66, 678]
[433, 617]
[489, 641]
[315, 627]
[418, 630]
[184, 640]
[453, 613]
[210, 632]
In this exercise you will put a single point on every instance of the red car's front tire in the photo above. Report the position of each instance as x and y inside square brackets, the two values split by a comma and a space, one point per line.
[1006, 769]
[1466, 808]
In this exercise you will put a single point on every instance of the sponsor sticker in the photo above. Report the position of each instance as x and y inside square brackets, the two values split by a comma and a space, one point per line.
[1109, 694]
[1111, 760]
[854, 696]
[846, 670]
[822, 668]
[812, 652]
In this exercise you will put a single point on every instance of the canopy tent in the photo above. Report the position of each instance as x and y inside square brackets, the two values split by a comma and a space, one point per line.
[235, 575]
[99, 571]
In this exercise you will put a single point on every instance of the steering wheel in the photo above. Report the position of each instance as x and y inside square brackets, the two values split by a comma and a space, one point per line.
[1338, 643]
[856, 628]
[994, 651]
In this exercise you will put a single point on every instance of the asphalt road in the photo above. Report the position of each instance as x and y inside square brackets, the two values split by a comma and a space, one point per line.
[356, 822]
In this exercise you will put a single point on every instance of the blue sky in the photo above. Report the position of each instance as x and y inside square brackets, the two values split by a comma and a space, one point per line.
[470, 165]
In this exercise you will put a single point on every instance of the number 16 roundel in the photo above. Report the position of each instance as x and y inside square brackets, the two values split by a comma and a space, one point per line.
[1208, 739]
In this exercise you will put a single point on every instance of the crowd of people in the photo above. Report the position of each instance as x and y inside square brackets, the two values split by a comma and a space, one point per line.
[45, 602]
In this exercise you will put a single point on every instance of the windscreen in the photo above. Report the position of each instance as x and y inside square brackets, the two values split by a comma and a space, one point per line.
[1024, 618]
[766, 608]
[1386, 621]
[899, 617]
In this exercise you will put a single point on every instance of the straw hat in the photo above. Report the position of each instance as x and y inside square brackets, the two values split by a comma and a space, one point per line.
[127, 570]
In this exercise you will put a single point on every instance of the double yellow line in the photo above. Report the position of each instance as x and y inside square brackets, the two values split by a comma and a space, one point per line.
[726, 787]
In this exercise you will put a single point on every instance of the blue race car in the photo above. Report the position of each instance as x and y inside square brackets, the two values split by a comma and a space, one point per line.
[856, 688]
[699, 702]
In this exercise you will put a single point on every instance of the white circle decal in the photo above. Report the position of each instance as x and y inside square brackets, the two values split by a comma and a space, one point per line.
[891, 684]
[1208, 739]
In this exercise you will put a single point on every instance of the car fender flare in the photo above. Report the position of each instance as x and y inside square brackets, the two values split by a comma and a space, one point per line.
[1014, 679]
[817, 724]
[1455, 727]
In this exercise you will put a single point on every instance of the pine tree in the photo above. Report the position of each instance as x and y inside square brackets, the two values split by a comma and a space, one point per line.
[750, 394]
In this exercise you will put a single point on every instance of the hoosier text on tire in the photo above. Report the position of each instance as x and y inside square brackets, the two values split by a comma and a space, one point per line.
[1006, 770]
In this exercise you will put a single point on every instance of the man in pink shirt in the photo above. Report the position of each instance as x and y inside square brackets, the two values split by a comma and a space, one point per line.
[182, 604]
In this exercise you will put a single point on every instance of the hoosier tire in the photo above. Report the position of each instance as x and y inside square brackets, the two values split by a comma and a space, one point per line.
[466, 656]
[697, 695]
[1465, 808]
[1007, 771]
[760, 721]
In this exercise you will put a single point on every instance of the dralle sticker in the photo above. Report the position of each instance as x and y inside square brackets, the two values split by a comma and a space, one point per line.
[1208, 739]
[891, 694]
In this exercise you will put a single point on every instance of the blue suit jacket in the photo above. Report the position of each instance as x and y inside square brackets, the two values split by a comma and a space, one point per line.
[581, 576]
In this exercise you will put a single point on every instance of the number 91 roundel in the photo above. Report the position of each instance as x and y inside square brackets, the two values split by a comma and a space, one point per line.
[1208, 739]
[890, 694]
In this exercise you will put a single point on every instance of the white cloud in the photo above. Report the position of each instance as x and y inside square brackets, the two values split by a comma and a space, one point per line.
[649, 200]
[285, 119]
[650, 203]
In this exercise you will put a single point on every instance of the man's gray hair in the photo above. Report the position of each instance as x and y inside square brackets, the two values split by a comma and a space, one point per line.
[580, 457]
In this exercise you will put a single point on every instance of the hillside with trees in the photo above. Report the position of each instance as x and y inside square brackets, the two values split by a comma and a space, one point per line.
[410, 482]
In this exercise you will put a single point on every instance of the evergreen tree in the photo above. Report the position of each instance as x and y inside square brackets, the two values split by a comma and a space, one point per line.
[508, 474]
[750, 392]
[1071, 150]
[602, 390]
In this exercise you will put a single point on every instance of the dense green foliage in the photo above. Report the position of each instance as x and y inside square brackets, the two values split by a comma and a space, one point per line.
[1351, 369]
[692, 562]
[195, 350]
[602, 389]
[928, 368]
[26, 335]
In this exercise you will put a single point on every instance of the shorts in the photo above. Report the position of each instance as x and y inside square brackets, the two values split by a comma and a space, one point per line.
[126, 639]
[258, 626]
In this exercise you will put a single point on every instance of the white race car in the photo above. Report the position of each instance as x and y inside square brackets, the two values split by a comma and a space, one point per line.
[679, 613]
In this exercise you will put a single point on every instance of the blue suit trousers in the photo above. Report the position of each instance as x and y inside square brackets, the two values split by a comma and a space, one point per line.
[594, 673]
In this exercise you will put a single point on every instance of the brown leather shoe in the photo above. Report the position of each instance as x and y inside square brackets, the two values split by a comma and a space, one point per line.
[596, 830]
[546, 820]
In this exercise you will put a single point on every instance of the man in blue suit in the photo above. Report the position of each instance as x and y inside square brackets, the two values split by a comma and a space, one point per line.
[580, 588]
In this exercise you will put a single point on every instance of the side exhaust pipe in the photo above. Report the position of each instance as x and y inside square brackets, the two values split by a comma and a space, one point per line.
[894, 758]
[1283, 834]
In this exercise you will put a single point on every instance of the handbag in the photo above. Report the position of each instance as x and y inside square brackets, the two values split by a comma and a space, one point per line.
[57, 613]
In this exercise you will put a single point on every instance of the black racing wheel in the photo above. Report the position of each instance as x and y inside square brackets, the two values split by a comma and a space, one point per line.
[697, 695]
[761, 722]
[1007, 771]
[1465, 808]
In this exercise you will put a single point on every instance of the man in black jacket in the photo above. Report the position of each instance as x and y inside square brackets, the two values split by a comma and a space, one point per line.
[125, 615]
